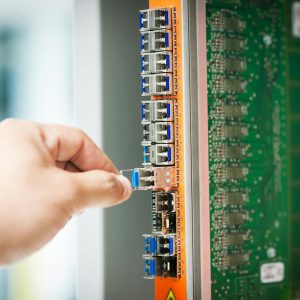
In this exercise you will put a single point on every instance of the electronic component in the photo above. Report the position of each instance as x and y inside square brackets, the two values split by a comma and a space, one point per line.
[224, 219]
[222, 84]
[160, 266]
[235, 238]
[158, 62]
[237, 259]
[155, 19]
[235, 131]
[160, 132]
[157, 223]
[152, 178]
[149, 267]
[221, 43]
[159, 245]
[235, 110]
[163, 202]
[224, 20]
[235, 172]
[149, 244]
[226, 197]
[166, 245]
[228, 111]
[157, 84]
[225, 152]
[164, 222]
[157, 111]
[160, 40]
[159, 155]
[230, 173]
[232, 260]
[225, 239]
[236, 218]
[221, 64]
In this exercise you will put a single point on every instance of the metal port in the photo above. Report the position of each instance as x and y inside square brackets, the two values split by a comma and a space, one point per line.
[147, 155]
[150, 244]
[157, 111]
[146, 111]
[166, 266]
[155, 19]
[158, 84]
[143, 178]
[164, 222]
[152, 178]
[161, 266]
[146, 133]
[158, 62]
[154, 41]
[159, 155]
[157, 226]
[163, 202]
[149, 267]
[159, 245]
[166, 245]
[161, 132]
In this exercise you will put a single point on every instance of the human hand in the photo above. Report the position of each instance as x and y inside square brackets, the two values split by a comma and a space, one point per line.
[48, 174]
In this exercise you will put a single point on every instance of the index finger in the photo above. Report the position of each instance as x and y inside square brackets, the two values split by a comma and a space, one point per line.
[72, 144]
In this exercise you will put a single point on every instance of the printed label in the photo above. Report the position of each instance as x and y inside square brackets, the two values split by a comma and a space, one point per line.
[296, 19]
[272, 272]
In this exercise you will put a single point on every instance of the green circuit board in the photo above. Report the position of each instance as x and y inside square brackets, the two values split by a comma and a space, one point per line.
[248, 149]
[293, 101]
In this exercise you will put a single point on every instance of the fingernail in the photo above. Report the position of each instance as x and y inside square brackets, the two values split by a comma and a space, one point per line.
[127, 186]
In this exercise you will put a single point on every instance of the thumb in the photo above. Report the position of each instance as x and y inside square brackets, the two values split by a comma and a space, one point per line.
[98, 188]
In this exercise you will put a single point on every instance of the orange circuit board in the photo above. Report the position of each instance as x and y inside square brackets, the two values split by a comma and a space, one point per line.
[165, 287]
[163, 144]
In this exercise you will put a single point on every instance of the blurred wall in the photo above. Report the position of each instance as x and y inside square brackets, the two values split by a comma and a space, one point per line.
[122, 135]
[36, 83]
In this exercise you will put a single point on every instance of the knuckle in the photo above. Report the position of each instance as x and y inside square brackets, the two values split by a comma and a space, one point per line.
[80, 132]
[72, 194]
[114, 186]
[24, 125]
[72, 188]
[9, 122]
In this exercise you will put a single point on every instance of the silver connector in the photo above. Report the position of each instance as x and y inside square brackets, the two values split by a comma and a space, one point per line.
[153, 41]
[155, 19]
[159, 178]
[164, 202]
[158, 62]
[158, 111]
[158, 84]
[159, 155]
[161, 132]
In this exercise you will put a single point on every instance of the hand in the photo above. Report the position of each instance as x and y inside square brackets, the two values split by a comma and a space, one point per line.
[48, 174]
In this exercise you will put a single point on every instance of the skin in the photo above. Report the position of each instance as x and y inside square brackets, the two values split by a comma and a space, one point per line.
[48, 174]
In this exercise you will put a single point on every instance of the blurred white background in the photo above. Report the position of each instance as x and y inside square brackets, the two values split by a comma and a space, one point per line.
[36, 58]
